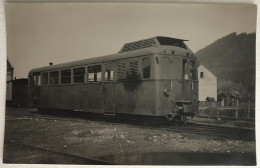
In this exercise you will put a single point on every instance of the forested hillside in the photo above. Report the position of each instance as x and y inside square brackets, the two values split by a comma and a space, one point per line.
[232, 60]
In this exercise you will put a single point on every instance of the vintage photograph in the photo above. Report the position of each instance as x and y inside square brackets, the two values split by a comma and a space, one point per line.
[130, 84]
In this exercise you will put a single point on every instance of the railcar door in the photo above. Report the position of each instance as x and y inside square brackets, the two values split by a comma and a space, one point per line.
[94, 89]
[34, 88]
[109, 88]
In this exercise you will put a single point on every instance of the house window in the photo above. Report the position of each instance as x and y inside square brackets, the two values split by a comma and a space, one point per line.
[66, 76]
[54, 78]
[94, 73]
[201, 75]
[44, 77]
[79, 75]
[146, 68]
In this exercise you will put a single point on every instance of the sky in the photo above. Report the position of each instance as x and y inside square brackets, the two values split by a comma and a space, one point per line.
[39, 33]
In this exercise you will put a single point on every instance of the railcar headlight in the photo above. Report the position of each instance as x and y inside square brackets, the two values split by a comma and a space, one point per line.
[167, 92]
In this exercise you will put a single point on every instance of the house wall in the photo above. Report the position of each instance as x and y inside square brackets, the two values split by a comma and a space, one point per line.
[207, 84]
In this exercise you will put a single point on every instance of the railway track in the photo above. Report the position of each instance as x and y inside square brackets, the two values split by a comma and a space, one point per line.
[26, 154]
[217, 131]
[191, 128]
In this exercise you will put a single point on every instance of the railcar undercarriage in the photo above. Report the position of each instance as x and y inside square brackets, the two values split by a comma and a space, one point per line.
[181, 112]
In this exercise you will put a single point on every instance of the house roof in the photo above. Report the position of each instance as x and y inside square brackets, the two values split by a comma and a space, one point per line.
[203, 69]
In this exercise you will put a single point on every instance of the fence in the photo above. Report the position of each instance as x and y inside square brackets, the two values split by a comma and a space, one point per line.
[209, 104]
[245, 110]
[241, 104]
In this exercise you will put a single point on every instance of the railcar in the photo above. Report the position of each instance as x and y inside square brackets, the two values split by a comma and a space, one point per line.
[150, 77]
[20, 92]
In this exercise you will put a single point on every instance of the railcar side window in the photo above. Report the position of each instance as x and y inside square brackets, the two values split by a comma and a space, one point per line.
[109, 75]
[94, 73]
[165, 68]
[79, 75]
[36, 79]
[66, 76]
[185, 69]
[38, 83]
[146, 68]
[44, 77]
[54, 78]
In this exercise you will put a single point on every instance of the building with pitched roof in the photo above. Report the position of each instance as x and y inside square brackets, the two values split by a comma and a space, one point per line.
[207, 84]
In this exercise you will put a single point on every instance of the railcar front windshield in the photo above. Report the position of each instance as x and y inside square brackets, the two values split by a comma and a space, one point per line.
[189, 69]
[177, 68]
[193, 70]
[165, 68]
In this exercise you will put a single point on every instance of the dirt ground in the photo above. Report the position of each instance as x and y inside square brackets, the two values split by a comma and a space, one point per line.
[94, 139]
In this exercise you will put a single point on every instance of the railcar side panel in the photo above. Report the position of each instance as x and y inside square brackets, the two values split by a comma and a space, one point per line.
[94, 97]
[97, 98]
[109, 92]
[143, 100]
[75, 97]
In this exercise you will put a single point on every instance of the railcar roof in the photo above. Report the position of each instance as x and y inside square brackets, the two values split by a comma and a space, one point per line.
[154, 42]
[96, 60]
[159, 45]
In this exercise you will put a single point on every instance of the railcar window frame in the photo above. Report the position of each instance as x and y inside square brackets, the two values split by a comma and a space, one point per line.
[96, 70]
[36, 79]
[109, 77]
[82, 75]
[38, 83]
[44, 82]
[62, 76]
[54, 77]
[31, 81]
